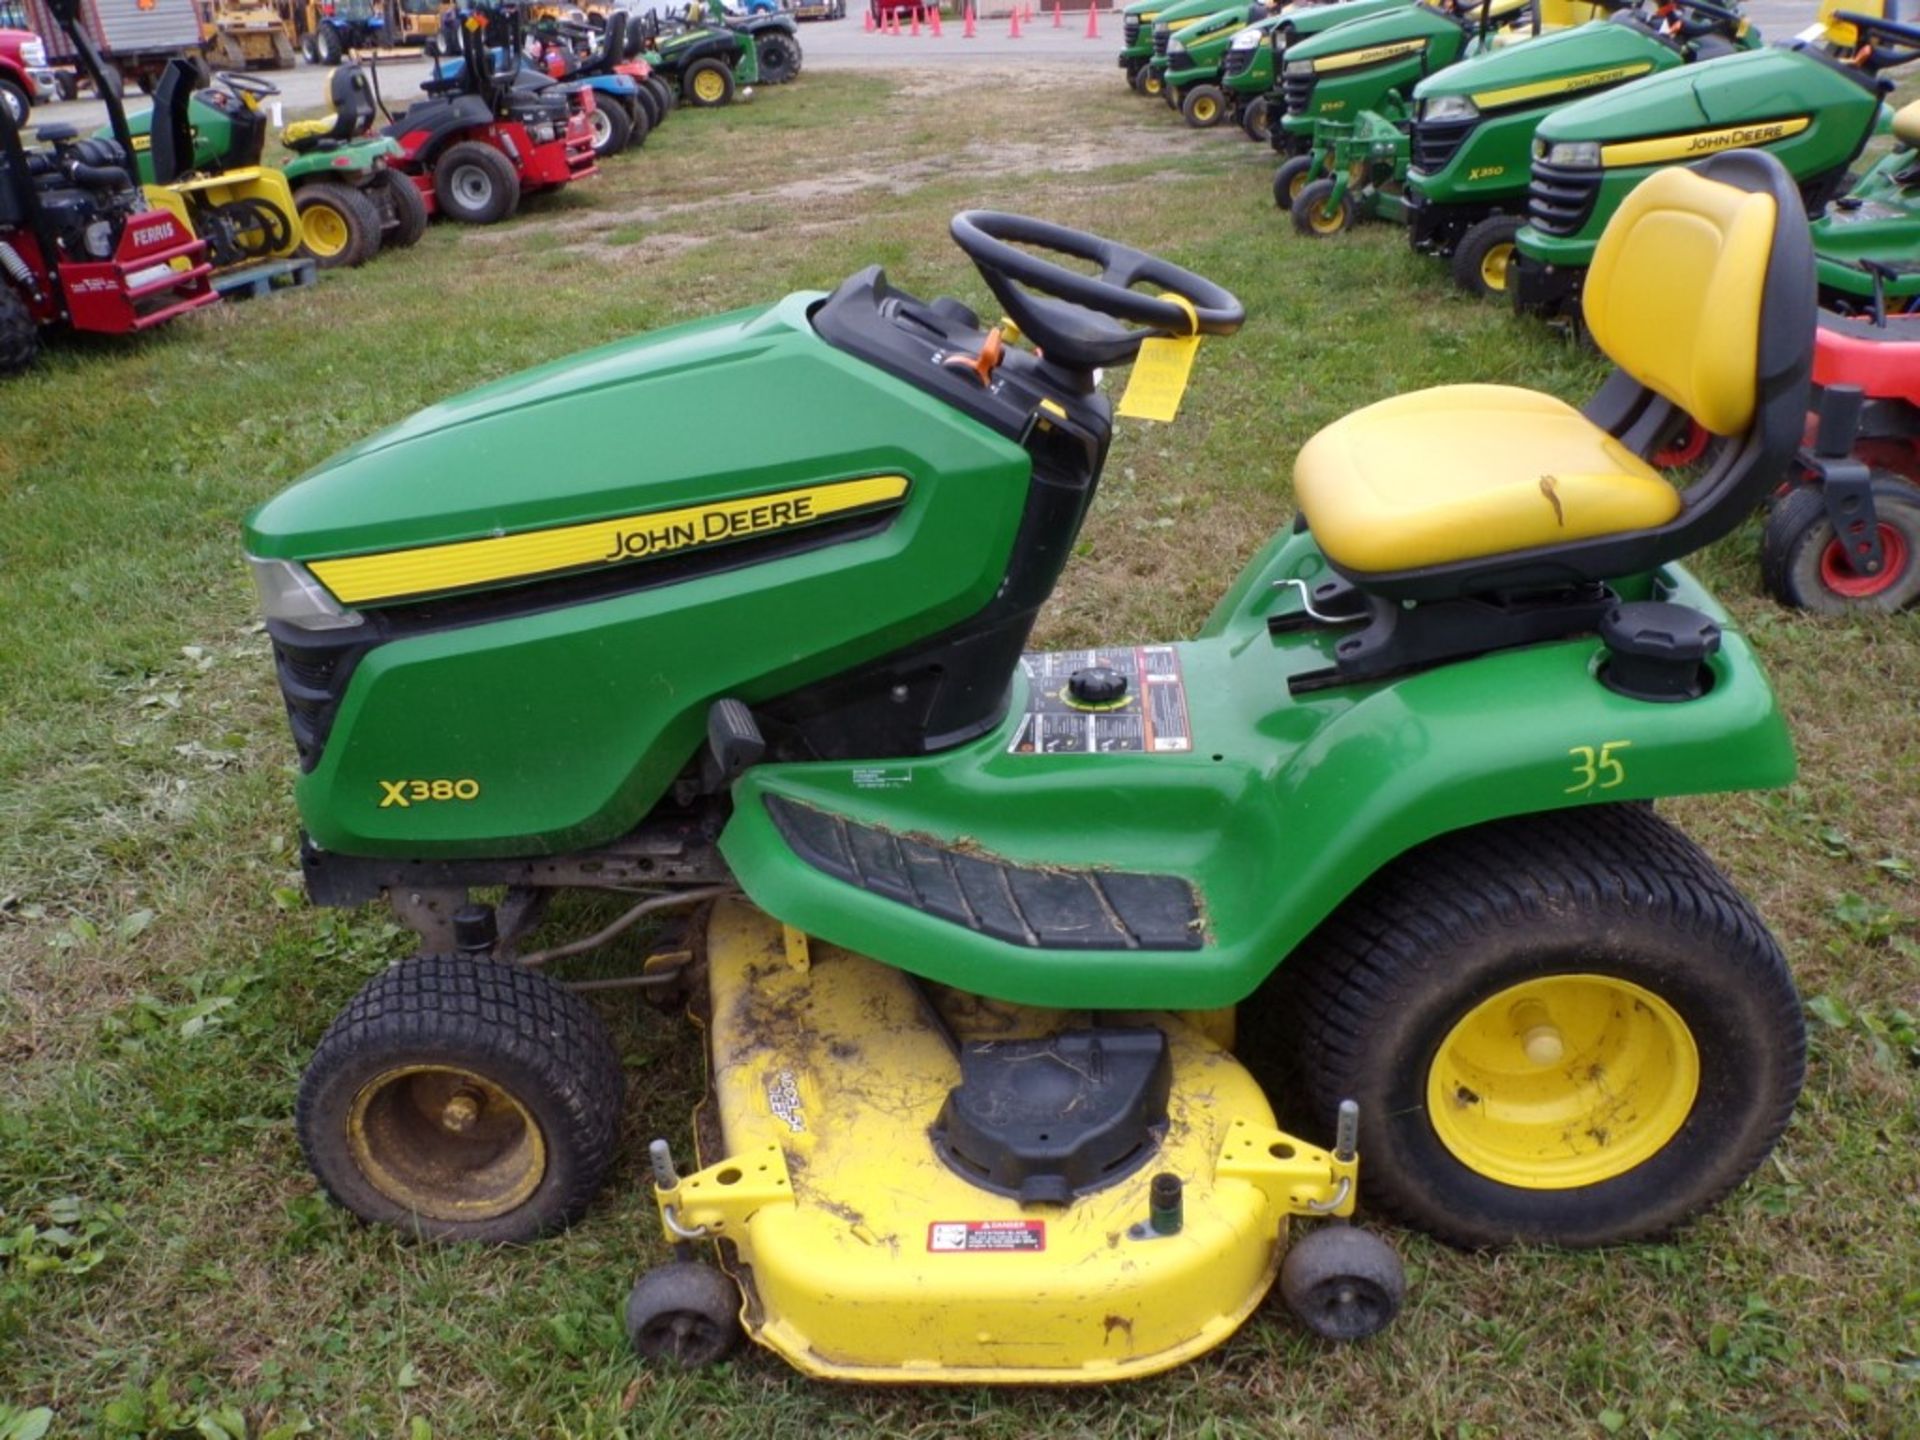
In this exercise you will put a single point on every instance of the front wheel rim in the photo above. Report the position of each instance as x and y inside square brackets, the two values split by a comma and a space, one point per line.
[1563, 1081]
[1495, 264]
[1841, 578]
[446, 1143]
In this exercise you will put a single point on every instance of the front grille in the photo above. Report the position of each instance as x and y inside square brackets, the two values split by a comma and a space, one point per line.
[1298, 90]
[1236, 62]
[313, 668]
[1559, 200]
[1130, 31]
[1162, 36]
[1436, 142]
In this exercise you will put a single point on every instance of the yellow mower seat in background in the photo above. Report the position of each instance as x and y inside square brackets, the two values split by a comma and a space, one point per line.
[300, 130]
[1906, 124]
[1466, 472]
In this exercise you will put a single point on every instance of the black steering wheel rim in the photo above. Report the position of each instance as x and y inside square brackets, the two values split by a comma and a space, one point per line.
[242, 83]
[1721, 13]
[1908, 36]
[1084, 320]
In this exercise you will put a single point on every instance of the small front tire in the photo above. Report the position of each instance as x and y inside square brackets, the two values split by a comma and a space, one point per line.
[1803, 563]
[1290, 179]
[1482, 261]
[1256, 119]
[1317, 213]
[19, 333]
[16, 102]
[1203, 107]
[684, 1315]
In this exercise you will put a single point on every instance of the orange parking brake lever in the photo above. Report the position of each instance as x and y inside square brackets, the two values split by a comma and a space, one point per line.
[986, 362]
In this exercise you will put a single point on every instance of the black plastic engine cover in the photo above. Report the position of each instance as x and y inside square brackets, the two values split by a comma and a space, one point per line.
[1049, 1119]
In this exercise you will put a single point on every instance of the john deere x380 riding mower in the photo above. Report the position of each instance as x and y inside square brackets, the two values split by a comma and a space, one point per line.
[962, 924]
[1814, 103]
[1473, 124]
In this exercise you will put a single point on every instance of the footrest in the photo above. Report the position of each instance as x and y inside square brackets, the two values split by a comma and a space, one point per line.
[1048, 909]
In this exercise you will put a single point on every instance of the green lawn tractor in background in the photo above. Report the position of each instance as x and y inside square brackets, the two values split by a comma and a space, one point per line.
[1814, 103]
[353, 199]
[1247, 77]
[1136, 42]
[1867, 245]
[1348, 100]
[707, 63]
[1473, 125]
[1195, 54]
[1151, 78]
[962, 923]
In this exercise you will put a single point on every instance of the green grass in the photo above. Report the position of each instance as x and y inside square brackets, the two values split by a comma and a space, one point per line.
[166, 1265]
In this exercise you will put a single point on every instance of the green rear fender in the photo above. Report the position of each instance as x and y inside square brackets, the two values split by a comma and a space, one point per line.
[1280, 811]
[355, 159]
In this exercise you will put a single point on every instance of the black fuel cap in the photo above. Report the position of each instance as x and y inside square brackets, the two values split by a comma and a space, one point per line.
[1096, 685]
[1658, 651]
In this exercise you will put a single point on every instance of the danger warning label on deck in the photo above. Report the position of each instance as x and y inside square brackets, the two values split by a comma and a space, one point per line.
[1148, 718]
[972, 1237]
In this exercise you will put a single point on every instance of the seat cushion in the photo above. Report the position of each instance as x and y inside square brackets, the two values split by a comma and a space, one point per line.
[1467, 471]
[300, 130]
[1906, 124]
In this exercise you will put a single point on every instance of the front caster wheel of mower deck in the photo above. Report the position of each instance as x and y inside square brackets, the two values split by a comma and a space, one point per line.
[1484, 256]
[610, 127]
[684, 1315]
[1565, 1028]
[1203, 107]
[475, 184]
[339, 226]
[707, 83]
[1256, 120]
[1341, 1283]
[1804, 564]
[1290, 179]
[459, 1099]
[1317, 213]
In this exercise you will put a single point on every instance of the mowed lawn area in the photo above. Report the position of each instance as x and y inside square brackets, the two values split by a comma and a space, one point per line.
[167, 1265]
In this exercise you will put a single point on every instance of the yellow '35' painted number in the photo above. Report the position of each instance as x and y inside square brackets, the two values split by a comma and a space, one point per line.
[1597, 769]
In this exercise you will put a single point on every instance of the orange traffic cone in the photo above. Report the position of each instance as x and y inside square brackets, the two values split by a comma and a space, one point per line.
[933, 19]
[916, 22]
[1056, 14]
[1093, 19]
[868, 23]
[893, 22]
[1013, 24]
[967, 31]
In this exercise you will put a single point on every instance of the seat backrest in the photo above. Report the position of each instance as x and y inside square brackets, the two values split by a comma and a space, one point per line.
[172, 136]
[352, 96]
[1676, 288]
[613, 45]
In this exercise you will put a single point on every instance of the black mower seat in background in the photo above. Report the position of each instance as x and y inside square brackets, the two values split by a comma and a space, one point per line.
[351, 94]
[1702, 294]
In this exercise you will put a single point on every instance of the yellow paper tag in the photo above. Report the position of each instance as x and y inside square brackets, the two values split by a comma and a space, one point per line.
[1160, 372]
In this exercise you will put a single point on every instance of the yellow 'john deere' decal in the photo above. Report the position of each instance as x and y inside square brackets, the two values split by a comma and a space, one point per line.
[1353, 59]
[1700, 142]
[1565, 85]
[397, 574]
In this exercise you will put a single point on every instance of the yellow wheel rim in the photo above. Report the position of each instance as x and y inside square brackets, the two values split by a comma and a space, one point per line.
[1563, 1082]
[1155, 85]
[446, 1143]
[1204, 110]
[1328, 219]
[323, 230]
[708, 86]
[1493, 266]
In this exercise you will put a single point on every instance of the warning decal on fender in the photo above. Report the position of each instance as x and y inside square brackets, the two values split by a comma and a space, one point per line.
[973, 1237]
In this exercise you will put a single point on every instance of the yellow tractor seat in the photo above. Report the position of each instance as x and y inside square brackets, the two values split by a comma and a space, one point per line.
[351, 94]
[1451, 474]
[1906, 124]
[300, 130]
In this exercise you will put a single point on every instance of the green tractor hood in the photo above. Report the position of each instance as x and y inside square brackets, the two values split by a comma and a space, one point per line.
[1553, 69]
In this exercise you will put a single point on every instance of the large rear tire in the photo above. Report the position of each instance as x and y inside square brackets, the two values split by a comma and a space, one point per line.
[19, 333]
[339, 226]
[779, 57]
[475, 184]
[1565, 1028]
[612, 127]
[463, 1100]
[707, 84]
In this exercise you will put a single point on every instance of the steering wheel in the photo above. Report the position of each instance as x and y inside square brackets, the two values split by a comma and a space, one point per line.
[1869, 26]
[243, 84]
[1720, 15]
[1077, 319]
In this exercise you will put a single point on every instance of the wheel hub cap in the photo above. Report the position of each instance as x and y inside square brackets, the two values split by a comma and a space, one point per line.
[1562, 1082]
[446, 1143]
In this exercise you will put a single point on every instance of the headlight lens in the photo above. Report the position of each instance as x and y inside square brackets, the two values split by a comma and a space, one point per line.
[1299, 67]
[287, 592]
[1247, 39]
[99, 239]
[1177, 52]
[33, 54]
[1448, 107]
[1575, 154]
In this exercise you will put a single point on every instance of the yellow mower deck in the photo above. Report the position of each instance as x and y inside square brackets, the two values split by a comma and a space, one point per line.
[862, 1256]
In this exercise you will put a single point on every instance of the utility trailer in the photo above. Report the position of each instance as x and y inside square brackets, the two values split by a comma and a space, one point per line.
[136, 37]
